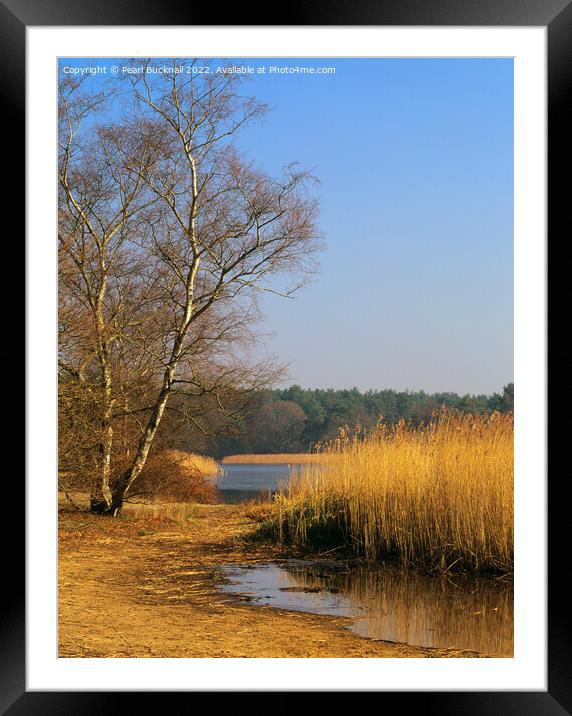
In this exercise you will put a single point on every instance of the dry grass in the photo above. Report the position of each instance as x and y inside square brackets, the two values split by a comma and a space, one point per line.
[278, 458]
[156, 511]
[439, 495]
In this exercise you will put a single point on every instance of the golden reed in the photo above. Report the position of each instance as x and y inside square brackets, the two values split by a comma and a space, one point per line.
[286, 458]
[438, 495]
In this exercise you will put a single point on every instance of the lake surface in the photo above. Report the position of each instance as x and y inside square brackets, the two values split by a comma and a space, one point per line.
[242, 482]
[475, 614]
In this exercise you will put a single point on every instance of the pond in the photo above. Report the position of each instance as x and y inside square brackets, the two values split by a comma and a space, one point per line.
[462, 613]
[243, 482]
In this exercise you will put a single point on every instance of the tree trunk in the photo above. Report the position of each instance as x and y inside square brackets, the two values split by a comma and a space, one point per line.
[98, 505]
[121, 487]
[106, 446]
[101, 499]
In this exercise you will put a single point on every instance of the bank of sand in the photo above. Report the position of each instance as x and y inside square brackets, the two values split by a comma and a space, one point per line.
[137, 587]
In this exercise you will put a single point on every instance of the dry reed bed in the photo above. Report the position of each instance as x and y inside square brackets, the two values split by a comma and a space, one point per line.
[271, 459]
[438, 495]
[191, 462]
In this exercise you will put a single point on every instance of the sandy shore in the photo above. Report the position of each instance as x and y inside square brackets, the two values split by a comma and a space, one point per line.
[147, 587]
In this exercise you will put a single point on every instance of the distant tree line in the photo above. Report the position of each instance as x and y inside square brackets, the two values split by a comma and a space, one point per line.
[295, 419]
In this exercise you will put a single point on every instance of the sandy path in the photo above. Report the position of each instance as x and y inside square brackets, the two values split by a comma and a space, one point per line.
[145, 588]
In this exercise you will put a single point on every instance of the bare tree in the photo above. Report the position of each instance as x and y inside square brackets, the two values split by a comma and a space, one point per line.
[170, 235]
[101, 200]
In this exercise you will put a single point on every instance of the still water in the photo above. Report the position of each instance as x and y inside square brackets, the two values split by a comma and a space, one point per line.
[385, 603]
[240, 483]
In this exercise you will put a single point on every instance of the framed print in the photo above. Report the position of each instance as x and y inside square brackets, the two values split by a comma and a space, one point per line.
[211, 509]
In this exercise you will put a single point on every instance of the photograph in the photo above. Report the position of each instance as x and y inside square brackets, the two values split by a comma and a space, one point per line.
[285, 357]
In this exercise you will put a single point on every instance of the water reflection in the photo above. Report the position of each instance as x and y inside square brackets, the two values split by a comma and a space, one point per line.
[460, 613]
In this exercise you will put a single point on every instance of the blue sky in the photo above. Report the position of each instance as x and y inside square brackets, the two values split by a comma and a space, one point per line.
[415, 160]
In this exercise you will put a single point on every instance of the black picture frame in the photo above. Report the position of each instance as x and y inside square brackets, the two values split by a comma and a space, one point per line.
[556, 15]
